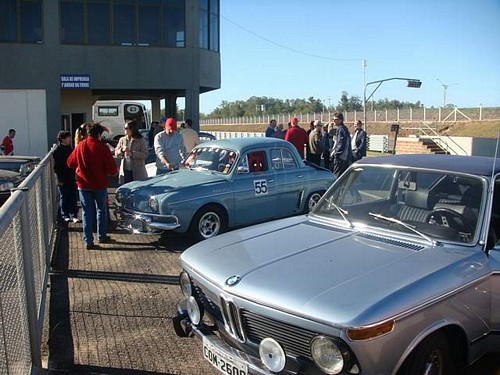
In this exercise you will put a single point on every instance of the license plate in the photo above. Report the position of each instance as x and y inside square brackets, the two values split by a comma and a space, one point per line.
[222, 361]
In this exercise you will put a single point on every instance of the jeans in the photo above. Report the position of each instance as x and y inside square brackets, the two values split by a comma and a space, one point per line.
[68, 200]
[92, 201]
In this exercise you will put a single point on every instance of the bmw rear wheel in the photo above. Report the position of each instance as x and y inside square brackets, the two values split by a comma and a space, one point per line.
[208, 222]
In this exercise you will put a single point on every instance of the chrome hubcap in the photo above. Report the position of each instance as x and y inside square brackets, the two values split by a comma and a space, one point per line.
[434, 364]
[209, 225]
[313, 200]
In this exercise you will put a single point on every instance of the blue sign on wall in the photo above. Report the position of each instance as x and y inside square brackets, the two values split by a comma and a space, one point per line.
[75, 81]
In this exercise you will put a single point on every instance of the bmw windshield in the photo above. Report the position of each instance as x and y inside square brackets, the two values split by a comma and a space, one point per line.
[434, 205]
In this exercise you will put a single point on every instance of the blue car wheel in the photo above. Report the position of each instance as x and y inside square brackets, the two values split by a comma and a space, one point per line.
[208, 222]
[312, 200]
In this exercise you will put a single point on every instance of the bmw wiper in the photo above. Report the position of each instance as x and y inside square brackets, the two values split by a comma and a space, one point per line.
[344, 214]
[403, 224]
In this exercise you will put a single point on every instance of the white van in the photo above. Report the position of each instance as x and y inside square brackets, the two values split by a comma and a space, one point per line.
[113, 114]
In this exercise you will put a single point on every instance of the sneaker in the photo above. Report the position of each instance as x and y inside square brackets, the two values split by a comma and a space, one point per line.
[75, 220]
[90, 246]
[66, 219]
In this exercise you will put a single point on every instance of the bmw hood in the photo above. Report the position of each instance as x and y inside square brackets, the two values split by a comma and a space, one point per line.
[335, 276]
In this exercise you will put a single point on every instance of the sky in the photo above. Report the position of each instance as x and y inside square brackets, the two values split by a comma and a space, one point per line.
[289, 49]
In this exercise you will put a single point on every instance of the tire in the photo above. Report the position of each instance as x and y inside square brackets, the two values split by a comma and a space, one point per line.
[208, 222]
[312, 200]
[431, 357]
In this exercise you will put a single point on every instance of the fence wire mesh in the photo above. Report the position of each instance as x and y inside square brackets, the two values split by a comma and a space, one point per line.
[26, 233]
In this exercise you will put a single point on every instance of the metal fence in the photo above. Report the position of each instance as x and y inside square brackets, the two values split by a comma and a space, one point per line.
[27, 222]
[396, 115]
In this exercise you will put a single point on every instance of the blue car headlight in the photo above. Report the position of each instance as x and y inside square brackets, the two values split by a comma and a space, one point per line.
[153, 204]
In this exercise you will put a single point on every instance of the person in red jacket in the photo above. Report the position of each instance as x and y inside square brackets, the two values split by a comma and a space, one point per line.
[297, 136]
[94, 163]
[7, 144]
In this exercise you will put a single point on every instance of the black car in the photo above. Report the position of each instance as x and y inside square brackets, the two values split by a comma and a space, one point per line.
[23, 165]
[8, 181]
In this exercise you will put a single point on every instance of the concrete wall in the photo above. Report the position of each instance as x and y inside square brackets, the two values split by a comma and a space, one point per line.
[462, 146]
[25, 111]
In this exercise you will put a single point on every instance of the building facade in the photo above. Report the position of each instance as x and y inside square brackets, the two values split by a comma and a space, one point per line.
[81, 51]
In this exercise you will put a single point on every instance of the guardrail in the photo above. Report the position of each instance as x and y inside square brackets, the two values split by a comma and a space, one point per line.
[445, 142]
[27, 223]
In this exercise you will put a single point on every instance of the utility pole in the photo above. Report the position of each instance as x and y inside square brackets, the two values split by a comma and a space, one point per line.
[445, 87]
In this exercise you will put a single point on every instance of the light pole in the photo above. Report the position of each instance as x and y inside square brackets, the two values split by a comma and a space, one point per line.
[411, 82]
[445, 87]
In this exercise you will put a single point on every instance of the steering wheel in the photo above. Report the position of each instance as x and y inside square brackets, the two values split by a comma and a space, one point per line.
[446, 217]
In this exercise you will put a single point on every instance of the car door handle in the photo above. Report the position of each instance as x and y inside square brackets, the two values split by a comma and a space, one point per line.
[270, 181]
[300, 176]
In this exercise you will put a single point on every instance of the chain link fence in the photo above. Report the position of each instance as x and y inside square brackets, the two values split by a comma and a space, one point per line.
[27, 223]
[372, 116]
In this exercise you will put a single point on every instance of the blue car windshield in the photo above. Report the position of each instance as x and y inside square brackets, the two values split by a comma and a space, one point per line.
[215, 159]
[440, 205]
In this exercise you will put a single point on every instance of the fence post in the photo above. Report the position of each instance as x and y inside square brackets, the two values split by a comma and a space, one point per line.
[29, 282]
[411, 114]
[480, 112]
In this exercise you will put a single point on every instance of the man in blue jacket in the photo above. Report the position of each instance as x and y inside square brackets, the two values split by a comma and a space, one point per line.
[342, 154]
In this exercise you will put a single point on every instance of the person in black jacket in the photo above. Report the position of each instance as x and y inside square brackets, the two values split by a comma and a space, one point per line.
[66, 182]
[359, 141]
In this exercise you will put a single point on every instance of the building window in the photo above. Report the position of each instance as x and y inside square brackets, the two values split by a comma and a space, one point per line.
[209, 24]
[174, 23]
[123, 22]
[72, 22]
[124, 30]
[149, 23]
[98, 23]
[21, 21]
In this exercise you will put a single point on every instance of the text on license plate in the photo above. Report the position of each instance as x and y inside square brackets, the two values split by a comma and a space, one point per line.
[222, 361]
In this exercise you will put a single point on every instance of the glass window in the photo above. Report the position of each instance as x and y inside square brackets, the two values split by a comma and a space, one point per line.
[31, 21]
[174, 23]
[8, 21]
[149, 23]
[72, 31]
[214, 25]
[204, 24]
[124, 24]
[98, 23]
[107, 111]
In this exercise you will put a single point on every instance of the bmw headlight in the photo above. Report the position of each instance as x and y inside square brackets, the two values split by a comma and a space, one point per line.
[185, 283]
[153, 204]
[327, 355]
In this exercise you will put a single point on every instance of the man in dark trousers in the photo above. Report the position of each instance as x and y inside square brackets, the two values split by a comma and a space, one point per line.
[94, 164]
[342, 154]
[359, 141]
[66, 182]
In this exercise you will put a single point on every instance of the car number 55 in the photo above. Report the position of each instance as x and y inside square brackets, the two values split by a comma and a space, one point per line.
[260, 187]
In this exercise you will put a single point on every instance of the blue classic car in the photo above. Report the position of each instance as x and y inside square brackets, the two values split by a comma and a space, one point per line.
[395, 271]
[224, 184]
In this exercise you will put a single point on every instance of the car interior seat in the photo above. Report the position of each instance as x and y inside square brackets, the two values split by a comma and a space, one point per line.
[256, 162]
[417, 205]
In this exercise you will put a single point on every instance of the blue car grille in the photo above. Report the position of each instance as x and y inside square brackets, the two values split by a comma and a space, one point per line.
[295, 340]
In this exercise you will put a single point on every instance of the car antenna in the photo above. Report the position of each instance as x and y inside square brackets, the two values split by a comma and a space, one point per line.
[495, 159]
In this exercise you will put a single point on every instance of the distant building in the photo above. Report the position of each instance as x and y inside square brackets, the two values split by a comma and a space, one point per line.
[80, 51]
